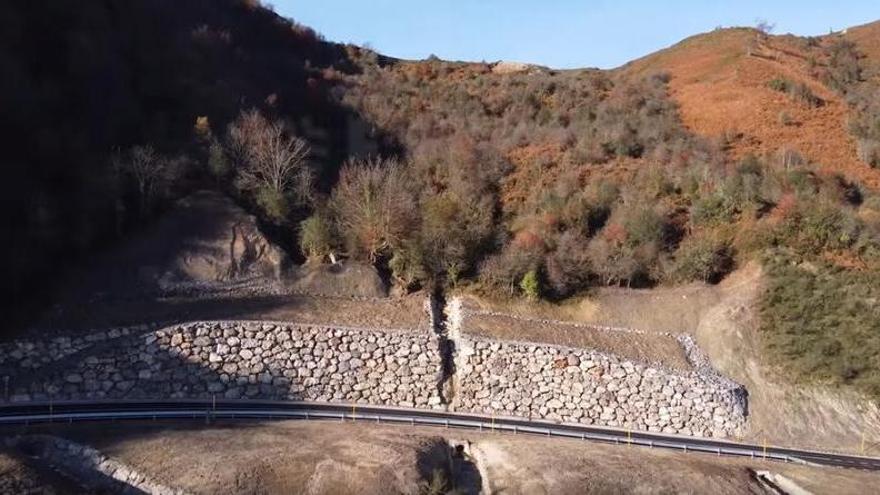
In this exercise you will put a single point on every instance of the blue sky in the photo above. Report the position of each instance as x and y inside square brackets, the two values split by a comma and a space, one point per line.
[557, 33]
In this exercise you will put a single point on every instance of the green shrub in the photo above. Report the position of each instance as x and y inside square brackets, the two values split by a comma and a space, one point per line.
[712, 210]
[779, 84]
[817, 226]
[821, 322]
[531, 285]
[797, 91]
[702, 257]
[273, 204]
[408, 265]
[218, 162]
[644, 226]
[316, 237]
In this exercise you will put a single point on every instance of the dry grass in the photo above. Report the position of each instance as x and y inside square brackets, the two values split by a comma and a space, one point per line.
[721, 90]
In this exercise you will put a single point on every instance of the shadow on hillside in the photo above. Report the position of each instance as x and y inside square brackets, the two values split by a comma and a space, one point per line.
[140, 73]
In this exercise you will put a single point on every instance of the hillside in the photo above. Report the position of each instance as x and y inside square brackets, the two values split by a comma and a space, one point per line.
[83, 84]
[499, 179]
[721, 82]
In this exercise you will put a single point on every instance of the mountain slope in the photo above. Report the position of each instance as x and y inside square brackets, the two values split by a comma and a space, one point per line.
[721, 80]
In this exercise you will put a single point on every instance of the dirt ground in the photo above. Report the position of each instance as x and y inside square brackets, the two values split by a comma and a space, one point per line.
[335, 457]
[651, 347]
[401, 312]
[18, 477]
[536, 466]
[722, 318]
[818, 417]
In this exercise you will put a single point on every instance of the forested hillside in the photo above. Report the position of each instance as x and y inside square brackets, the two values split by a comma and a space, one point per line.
[84, 81]
[506, 179]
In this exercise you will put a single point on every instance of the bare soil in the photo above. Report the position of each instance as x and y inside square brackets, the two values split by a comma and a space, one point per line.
[338, 458]
[400, 312]
[515, 465]
[650, 348]
[281, 457]
[18, 477]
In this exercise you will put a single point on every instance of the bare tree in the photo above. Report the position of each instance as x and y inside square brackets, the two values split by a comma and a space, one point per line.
[764, 26]
[374, 206]
[150, 171]
[269, 156]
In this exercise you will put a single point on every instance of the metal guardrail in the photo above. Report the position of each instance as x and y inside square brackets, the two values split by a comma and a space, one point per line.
[192, 410]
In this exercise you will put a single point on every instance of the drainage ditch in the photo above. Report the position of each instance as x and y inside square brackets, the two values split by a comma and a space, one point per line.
[445, 347]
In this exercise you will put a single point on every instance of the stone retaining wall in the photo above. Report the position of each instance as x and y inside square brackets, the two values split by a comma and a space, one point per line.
[266, 360]
[581, 386]
[234, 360]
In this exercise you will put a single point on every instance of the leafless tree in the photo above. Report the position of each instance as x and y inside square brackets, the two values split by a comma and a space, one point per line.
[374, 206]
[764, 26]
[150, 171]
[269, 156]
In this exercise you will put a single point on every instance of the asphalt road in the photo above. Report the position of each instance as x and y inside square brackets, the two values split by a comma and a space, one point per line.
[44, 412]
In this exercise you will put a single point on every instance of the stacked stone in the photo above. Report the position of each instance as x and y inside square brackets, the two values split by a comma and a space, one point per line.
[35, 355]
[252, 360]
[98, 471]
[581, 386]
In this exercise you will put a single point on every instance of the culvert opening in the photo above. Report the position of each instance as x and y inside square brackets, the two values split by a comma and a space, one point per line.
[446, 467]
[464, 472]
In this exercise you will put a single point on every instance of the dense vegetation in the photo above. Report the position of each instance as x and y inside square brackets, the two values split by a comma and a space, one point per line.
[824, 321]
[523, 182]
